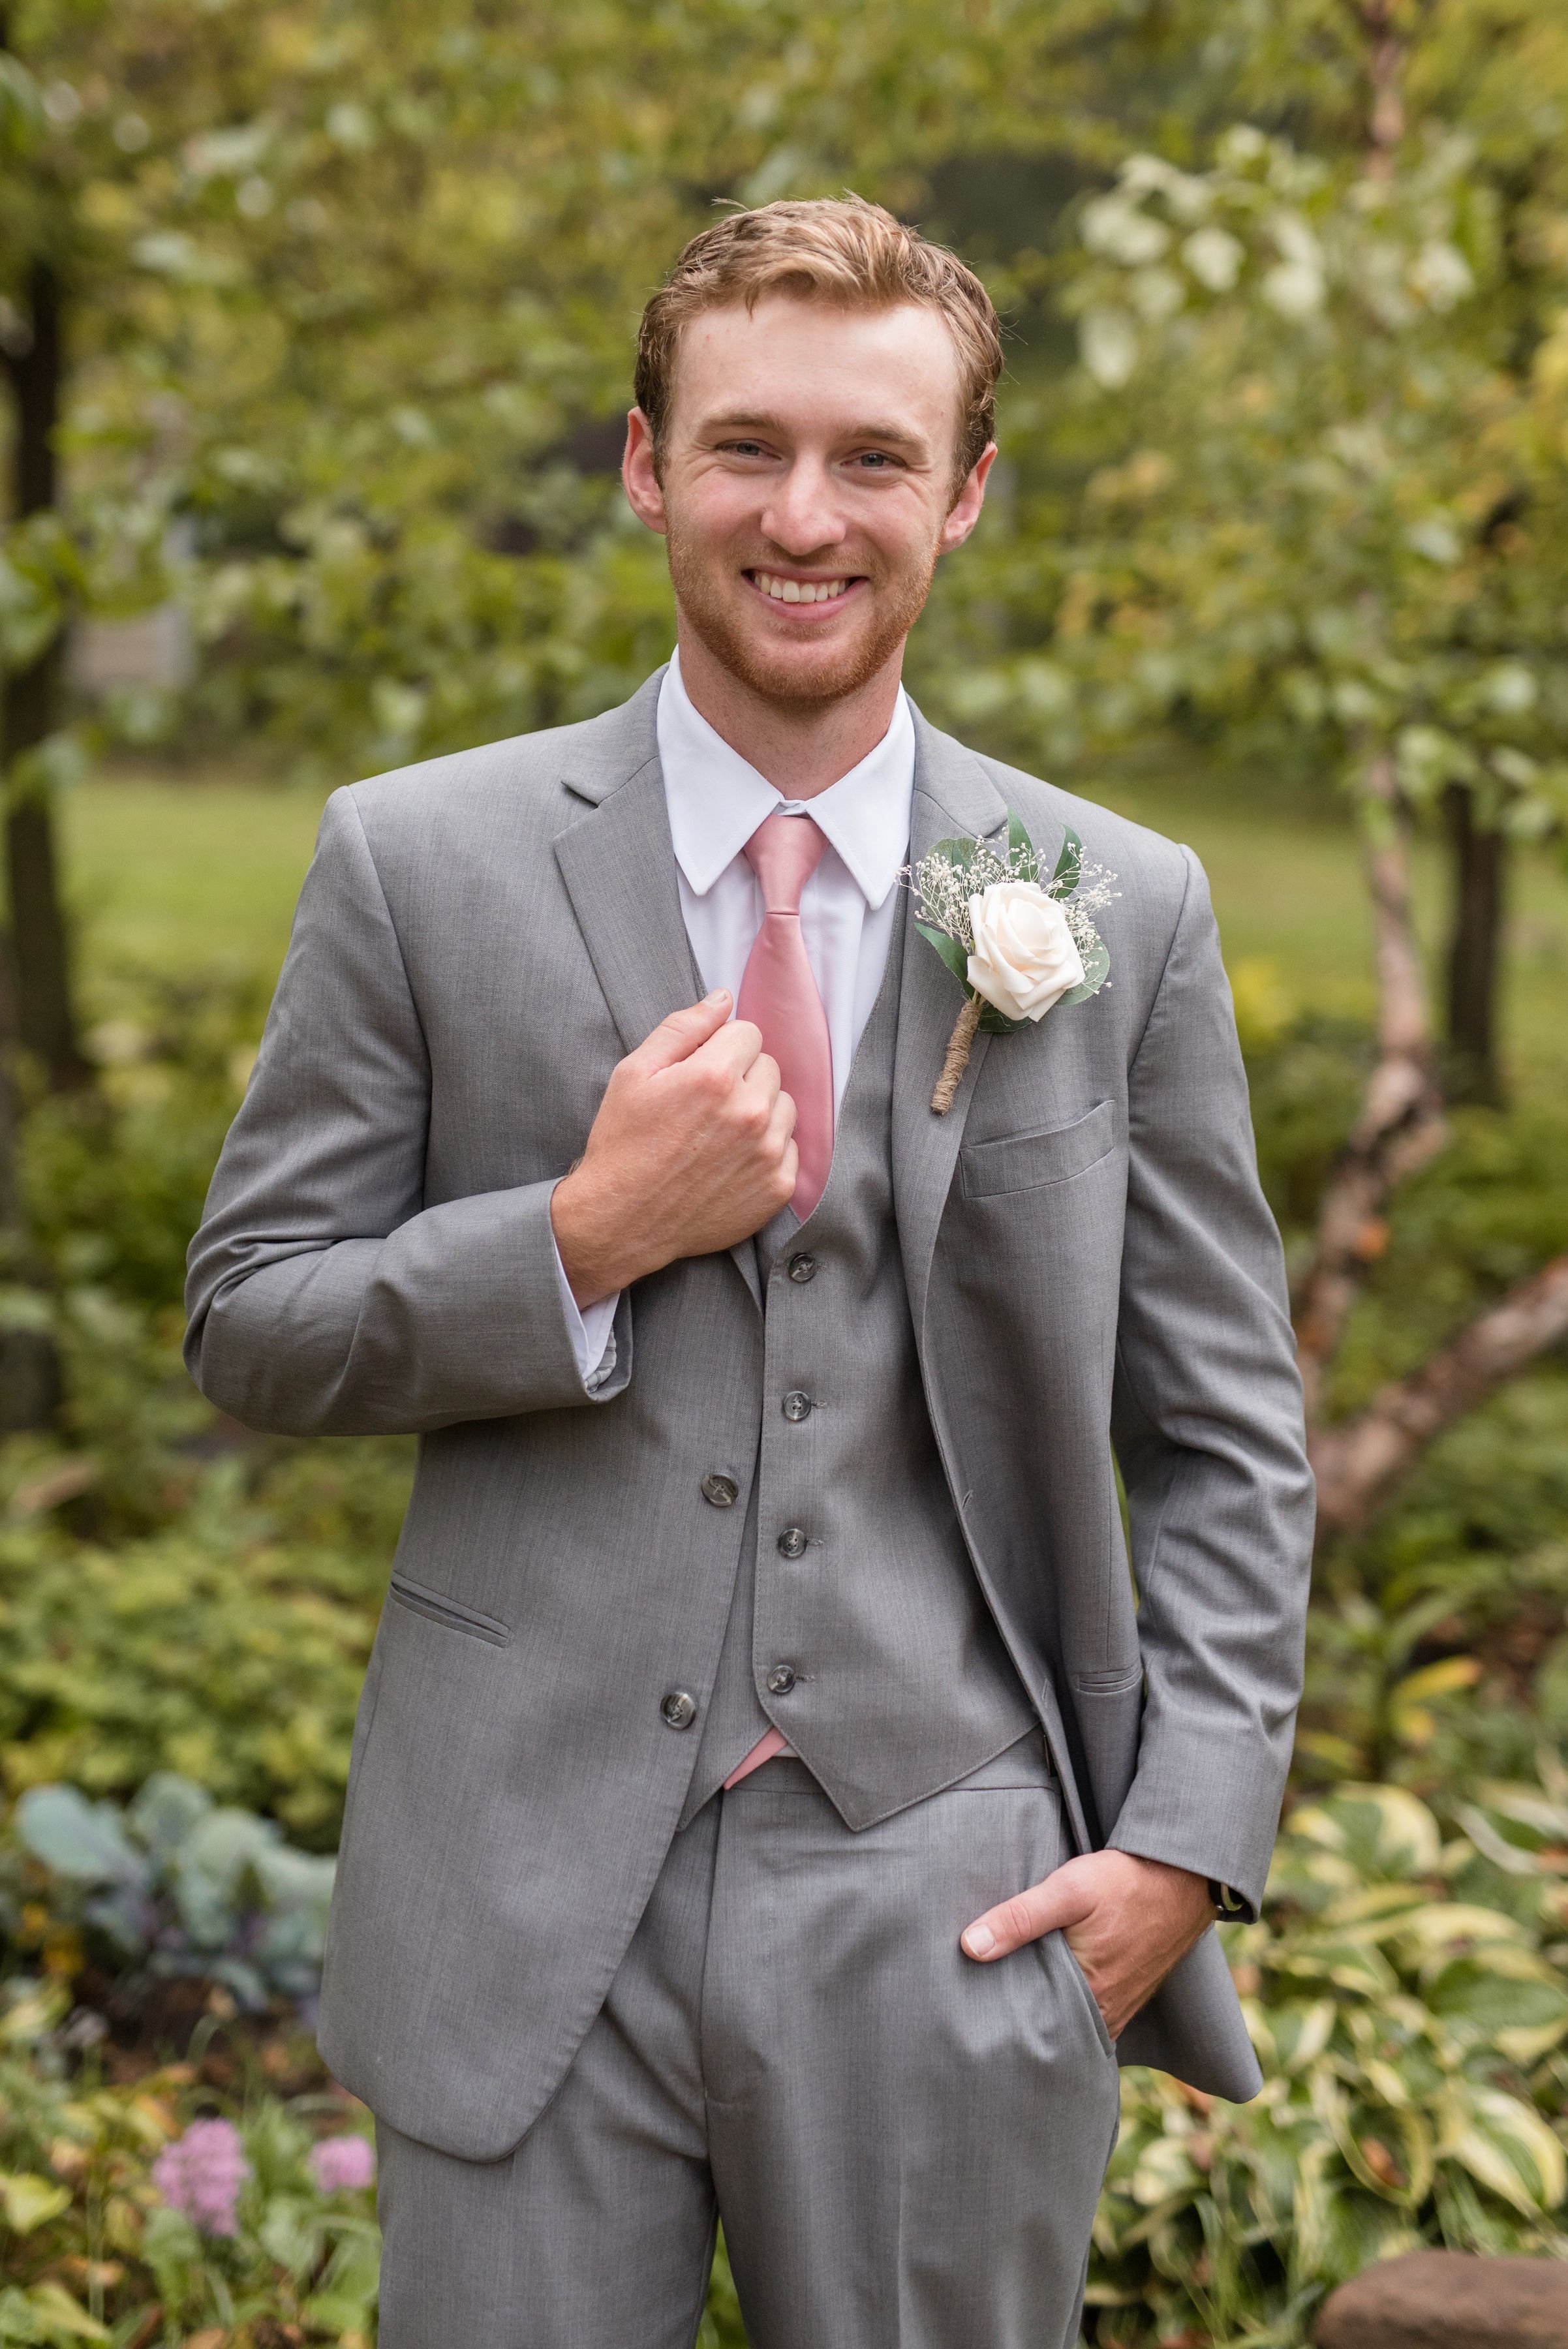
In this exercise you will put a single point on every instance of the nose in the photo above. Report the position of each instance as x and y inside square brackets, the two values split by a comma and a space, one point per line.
[803, 515]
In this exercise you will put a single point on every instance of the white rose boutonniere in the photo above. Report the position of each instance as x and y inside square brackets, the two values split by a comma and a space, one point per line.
[1017, 945]
[1025, 957]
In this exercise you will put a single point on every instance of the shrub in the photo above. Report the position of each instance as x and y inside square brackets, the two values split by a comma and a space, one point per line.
[1407, 1999]
[172, 1887]
[204, 1649]
[114, 2227]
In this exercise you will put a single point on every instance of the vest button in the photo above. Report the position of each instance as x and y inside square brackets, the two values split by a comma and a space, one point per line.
[680, 1710]
[721, 1492]
[803, 1268]
[797, 1406]
[792, 1542]
[780, 1679]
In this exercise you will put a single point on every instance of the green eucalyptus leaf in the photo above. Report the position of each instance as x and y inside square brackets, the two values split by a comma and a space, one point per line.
[951, 952]
[955, 852]
[1069, 866]
[1021, 855]
[996, 1023]
[1097, 970]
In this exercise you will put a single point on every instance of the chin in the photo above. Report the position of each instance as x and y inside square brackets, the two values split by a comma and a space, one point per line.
[802, 675]
[798, 674]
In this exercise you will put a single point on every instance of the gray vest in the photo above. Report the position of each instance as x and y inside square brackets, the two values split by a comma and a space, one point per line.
[858, 1628]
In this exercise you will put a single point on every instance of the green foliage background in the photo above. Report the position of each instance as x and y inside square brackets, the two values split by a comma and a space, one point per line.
[351, 296]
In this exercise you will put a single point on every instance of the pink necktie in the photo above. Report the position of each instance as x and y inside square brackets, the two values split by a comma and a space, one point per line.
[779, 994]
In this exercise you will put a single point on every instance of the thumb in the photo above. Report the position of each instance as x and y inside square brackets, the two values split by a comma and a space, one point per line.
[677, 1037]
[1061, 1900]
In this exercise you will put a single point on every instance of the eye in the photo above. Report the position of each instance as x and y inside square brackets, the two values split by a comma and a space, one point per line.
[875, 461]
[745, 448]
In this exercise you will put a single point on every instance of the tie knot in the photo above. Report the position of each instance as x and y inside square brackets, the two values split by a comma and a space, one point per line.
[783, 852]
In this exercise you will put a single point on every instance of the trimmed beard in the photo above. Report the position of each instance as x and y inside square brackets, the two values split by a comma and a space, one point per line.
[707, 607]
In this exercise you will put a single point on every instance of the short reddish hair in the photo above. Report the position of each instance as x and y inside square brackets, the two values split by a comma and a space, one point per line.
[837, 249]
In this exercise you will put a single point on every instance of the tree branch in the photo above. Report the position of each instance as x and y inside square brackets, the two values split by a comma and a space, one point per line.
[1358, 1461]
[1401, 1122]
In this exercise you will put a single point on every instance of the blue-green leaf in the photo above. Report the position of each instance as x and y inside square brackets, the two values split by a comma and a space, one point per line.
[1097, 970]
[960, 852]
[1021, 859]
[951, 952]
[1069, 866]
[84, 1842]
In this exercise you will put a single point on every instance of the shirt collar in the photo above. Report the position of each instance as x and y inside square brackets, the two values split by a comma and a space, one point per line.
[717, 798]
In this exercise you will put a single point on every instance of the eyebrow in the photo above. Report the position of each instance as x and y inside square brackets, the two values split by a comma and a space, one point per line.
[760, 421]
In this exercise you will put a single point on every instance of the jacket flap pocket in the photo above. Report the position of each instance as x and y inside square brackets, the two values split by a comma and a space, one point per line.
[1022, 1162]
[450, 1613]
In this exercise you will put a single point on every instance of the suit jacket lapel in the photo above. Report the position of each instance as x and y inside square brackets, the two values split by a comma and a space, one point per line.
[619, 867]
[954, 799]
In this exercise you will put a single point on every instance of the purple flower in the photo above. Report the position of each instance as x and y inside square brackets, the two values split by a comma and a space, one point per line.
[201, 2174]
[343, 2164]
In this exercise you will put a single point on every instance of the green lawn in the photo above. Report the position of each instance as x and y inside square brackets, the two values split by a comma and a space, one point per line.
[180, 873]
[1288, 893]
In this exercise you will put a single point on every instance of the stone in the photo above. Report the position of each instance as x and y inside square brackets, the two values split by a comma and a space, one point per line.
[1450, 2299]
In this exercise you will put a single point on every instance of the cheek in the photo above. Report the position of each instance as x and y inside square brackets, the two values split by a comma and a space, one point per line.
[901, 521]
[708, 513]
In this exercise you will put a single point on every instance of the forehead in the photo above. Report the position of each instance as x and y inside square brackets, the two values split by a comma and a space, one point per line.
[820, 367]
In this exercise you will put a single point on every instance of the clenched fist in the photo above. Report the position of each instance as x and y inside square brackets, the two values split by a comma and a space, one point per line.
[692, 1150]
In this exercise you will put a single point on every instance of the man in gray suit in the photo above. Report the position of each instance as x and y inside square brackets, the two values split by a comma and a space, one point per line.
[768, 1800]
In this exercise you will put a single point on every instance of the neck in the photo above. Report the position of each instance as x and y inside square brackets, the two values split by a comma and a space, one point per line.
[800, 748]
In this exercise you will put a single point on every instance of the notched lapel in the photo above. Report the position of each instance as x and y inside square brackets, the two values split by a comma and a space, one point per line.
[954, 799]
[619, 867]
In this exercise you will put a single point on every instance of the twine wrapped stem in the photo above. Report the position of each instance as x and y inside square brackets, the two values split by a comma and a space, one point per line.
[957, 1059]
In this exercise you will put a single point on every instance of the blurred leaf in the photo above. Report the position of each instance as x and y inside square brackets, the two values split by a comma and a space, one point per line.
[28, 2200]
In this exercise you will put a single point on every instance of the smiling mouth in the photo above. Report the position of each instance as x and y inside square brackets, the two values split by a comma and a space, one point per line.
[813, 592]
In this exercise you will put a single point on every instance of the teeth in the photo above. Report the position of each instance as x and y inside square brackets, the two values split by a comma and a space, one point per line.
[798, 591]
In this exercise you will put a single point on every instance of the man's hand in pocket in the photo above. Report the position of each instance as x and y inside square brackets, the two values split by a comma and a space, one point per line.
[1127, 1922]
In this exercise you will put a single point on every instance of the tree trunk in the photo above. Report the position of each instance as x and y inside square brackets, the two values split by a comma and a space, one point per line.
[1385, 75]
[1359, 1461]
[39, 943]
[1475, 941]
[1401, 1122]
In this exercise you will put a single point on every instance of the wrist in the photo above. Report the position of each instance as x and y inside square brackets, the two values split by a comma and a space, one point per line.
[594, 1266]
[1195, 1891]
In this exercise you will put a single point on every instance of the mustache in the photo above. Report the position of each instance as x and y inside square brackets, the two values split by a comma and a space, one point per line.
[834, 563]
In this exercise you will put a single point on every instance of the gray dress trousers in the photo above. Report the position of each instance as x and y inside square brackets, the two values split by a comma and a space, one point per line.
[905, 2147]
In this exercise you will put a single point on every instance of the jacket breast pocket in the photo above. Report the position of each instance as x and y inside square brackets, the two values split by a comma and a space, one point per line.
[1025, 1162]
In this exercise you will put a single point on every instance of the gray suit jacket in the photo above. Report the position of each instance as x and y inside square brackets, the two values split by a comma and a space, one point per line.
[1094, 1279]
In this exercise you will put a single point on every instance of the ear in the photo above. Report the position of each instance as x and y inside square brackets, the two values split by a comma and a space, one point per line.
[965, 512]
[639, 477]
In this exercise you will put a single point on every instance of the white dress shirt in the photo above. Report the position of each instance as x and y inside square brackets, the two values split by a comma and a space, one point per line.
[848, 908]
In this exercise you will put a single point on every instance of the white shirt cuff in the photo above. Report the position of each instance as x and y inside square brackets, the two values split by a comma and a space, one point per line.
[592, 1332]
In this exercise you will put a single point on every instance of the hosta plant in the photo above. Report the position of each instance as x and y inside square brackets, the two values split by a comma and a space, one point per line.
[1406, 1994]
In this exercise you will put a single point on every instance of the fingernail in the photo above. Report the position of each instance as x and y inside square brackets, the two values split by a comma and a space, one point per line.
[719, 995]
[980, 1940]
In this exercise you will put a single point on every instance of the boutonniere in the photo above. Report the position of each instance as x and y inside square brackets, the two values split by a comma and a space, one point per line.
[1016, 944]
